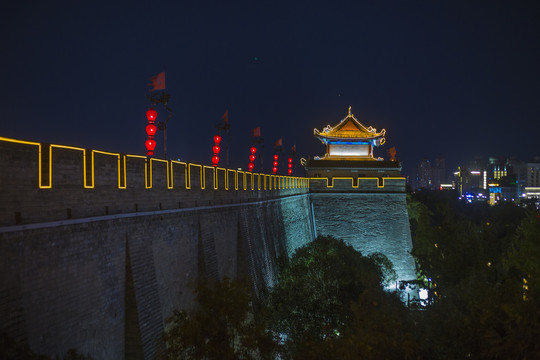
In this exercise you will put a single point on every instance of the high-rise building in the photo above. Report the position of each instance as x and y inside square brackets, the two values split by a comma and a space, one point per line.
[528, 179]
[497, 168]
[439, 172]
[423, 175]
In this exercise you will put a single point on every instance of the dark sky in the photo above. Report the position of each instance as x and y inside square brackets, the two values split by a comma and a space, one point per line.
[456, 78]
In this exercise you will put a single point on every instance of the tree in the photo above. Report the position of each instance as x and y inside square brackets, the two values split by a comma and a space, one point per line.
[483, 261]
[318, 305]
[222, 327]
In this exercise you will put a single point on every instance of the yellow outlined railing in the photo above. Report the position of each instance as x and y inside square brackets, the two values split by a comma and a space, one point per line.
[220, 176]
[380, 181]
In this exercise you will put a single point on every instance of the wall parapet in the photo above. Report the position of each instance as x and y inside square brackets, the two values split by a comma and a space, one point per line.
[357, 185]
[44, 182]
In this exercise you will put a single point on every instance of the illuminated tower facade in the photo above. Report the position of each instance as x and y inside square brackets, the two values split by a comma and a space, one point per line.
[349, 152]
[359, 197]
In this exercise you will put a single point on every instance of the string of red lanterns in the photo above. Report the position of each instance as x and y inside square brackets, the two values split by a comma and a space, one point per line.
[274, 169]
[290, 166]
[151, 129]
[252, 158]
[216, 149]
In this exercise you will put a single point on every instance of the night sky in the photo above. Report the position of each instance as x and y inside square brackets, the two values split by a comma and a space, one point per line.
[456, 78]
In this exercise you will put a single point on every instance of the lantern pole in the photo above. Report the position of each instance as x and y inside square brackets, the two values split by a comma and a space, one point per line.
[162, 98]
[225, 126]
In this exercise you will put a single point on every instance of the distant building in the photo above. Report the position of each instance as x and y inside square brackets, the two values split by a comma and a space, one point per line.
[430, 175]
[528, 179]
[439, 172]
[423, 178]
[497, 168]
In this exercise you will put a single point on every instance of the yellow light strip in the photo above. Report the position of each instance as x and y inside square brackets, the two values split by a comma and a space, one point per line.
[121, 162]
[85, 184]
[187, 176]
[279, 182]
[235, 178]
[243, 174]
[201, 172]
[204, 176]
[330, 182]
[225, 178]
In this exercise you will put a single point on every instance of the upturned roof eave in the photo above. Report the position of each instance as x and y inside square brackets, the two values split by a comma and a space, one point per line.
[344, 137]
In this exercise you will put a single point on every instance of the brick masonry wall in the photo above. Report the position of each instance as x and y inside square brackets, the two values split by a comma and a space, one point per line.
[70, 187]
[97, 261]
[96, 256]
[66, 286]
[357, 185]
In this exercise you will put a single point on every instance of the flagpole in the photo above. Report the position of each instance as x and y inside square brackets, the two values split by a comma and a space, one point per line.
[165, 142]
[228, 141]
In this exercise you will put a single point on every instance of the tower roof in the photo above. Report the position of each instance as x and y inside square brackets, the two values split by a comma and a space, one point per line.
[348, 129]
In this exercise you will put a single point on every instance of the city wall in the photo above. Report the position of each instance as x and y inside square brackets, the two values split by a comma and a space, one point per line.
[44, 182]
[97, 249]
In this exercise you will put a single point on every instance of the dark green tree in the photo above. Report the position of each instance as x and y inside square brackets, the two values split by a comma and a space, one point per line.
[221, 327]
[483, 261]
[322, 296]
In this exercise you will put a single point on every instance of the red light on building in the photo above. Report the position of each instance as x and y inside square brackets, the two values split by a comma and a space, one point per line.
[290, 160]
[250, 166]
[216, 149]
[275, 163]
[151, 115]
[276, 157]
[150, 146]
[290, 166]
[290, 171]
[253, 150]
[151, 129]
[252, 158]
[274, 170]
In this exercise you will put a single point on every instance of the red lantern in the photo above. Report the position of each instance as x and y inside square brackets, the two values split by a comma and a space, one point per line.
[150, 145]
[215, 160]
[252, 158]
[250, 166]
[274, 170]
[290, 166]
[216, 149]
[151, 129]
[276, 157]
[290, 171]
[275, 163]
[253, 149]
[217, 139]
[290, 160]
[151, 115]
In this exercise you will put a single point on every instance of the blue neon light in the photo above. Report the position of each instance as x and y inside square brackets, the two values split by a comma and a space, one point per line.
[337, 142]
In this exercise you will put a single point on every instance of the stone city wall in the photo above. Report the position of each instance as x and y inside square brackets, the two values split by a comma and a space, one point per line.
[98, 249]
[44, 182]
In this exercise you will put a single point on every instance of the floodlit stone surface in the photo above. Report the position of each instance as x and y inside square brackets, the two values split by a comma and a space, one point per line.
[375, 222]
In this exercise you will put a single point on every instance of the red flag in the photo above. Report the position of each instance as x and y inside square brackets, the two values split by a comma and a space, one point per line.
[278, 143]
[225, 116]
[157, 82]
[392, 152]
[257, 132]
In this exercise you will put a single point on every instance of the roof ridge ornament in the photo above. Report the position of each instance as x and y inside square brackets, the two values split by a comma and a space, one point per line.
[350, 111]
